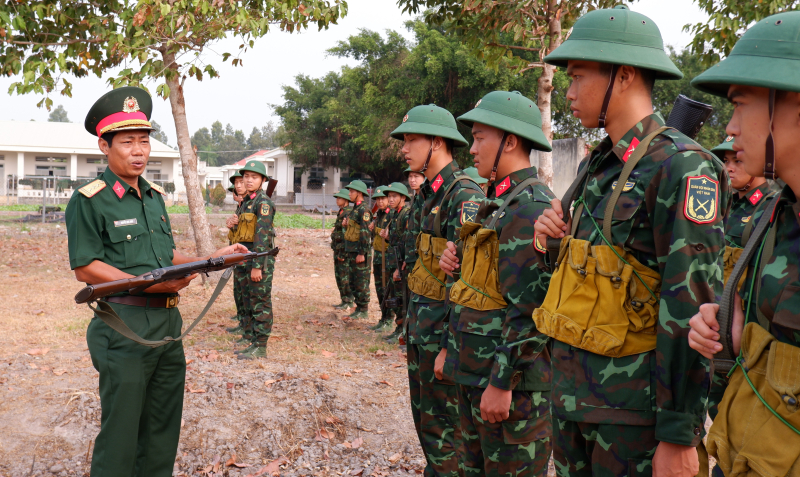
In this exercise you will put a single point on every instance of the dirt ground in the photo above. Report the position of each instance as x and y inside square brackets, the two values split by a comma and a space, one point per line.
[331, 399]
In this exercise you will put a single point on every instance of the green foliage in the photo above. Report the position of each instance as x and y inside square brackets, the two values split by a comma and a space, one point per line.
[727, 21]
[217, 195]
[58, 115]
[220, 146]
[299, 221]
[344, 118]
[43, 41]
[158, 133]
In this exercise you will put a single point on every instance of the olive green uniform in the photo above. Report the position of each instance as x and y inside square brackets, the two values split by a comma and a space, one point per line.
[141, 388]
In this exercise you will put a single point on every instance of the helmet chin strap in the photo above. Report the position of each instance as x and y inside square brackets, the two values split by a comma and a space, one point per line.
[769, 163]
[607, 99]
[497, 159]
[427, 160]
[746, 186]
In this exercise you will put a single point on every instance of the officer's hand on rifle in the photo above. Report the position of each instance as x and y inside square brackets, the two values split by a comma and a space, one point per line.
[704, 335]
[449, 262]
[550, 223]
[235, 248]
[172, 286]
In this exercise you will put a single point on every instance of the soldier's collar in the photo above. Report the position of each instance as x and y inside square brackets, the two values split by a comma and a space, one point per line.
[446, 173]
[119, 187]
[359, 202]
[630, 141]
[503, 185]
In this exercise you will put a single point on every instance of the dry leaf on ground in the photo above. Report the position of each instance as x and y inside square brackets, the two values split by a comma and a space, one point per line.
[328, 354]
[325, 376]
[38, 351]
[272, 468]
[386, 383]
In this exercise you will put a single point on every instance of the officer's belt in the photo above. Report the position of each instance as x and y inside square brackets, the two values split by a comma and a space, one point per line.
[143, 301]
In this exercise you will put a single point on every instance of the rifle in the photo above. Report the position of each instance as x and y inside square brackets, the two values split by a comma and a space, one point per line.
[271, 186]
[138, 284]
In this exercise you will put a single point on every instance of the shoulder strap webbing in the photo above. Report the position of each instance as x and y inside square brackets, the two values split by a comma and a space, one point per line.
[724, 360]
[437, 222]
[748, 229]
[519, 188]
[623, 179]
[554, 244]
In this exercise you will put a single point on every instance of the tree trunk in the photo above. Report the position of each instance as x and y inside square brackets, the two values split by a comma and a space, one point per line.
[197, 210]
[545, 92]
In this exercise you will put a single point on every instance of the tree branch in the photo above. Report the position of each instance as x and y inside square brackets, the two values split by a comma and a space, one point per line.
[65, 43]
[513, 47]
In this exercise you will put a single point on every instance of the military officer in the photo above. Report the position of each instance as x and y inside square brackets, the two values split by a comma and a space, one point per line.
[398, 196]
[358, 246]
[255, 230]
[340, 265]
[382, 254]
[628, 393]
[499, 359]
[756, 429]
[118, 228]
[429, 134]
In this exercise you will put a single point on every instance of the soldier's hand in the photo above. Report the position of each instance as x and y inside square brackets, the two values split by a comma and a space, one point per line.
[403, 267]
[359, 259]
[385, 234]
[438, 364]
[255, 275]
[449, 262]
[344, 222]
[235, 248]
[172, 286]
[235, 219]
[550, 223]
[396, 276]
[495, 404]
[675, 460]
[704, 335]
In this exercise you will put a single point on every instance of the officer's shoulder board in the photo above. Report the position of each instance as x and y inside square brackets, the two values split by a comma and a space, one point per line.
[156, 188]
[92, 188]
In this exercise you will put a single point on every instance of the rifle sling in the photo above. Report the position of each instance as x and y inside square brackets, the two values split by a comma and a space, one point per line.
[112, 319]
[724, 360]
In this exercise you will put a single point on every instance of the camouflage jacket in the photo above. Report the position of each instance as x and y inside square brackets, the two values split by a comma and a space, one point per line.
[383, 219]
[264, 239]
[239, 210]
[744, 210]
[503, 347]
[778, 297]
[659, 220]
[432, 323]
[409, 246]
[337, 234]
[361, 216]
[397, 231]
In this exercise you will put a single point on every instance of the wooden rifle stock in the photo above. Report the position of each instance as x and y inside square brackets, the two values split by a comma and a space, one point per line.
[271, 187]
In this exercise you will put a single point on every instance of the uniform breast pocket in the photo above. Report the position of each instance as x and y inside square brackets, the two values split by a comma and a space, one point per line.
[169, 243]
[624, 219]
[131, 242]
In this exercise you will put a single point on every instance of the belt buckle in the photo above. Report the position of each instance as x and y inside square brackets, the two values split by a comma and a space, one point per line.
[173, 301]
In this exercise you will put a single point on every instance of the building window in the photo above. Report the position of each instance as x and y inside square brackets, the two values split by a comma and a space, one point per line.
[51, 159]
[153, 163]
[96, 160]
[51, 170]
[100, 170]
[156, 175]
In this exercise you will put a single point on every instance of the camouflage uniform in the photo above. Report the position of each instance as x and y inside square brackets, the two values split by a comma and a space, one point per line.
[238, 280]
[358, 273]
[340, 265]
[258, 295]
[397, 239]
[382, 219]
[434, 402]
[503, 348]
[611, 413]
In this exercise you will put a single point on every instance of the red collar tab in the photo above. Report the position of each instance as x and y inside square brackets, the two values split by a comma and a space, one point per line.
[630, 150]
[387, 210]
[118, 189]
[755, 197]
[503, 187]
[437, 183]
[253, 195]
[359, 202]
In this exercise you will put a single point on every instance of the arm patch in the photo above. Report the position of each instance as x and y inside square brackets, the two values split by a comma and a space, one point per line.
[701, 203]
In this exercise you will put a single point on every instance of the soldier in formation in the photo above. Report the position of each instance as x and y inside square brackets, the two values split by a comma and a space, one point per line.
[358, 246]
[238, 189]
[382, 255]
[752, 332]
[340, 264]
[429, 135]
[395, 236]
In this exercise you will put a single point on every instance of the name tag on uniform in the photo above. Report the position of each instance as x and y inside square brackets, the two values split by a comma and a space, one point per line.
[123, 223]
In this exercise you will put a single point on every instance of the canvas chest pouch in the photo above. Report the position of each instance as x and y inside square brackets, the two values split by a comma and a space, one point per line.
[353, 231]
[246, 229]
[378, 243]
[427, 278]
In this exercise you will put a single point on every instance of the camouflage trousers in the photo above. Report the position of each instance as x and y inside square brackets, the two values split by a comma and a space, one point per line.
[393, 286]
[434, 406]
[519, 446]
[341, 269]
[398, 292]
[238, 277]
[358, 277]
[258, 326]
[602, 450]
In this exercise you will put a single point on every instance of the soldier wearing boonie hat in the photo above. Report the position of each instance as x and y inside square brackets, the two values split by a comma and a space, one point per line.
[429, 134]
[666, 197]
[752, 335]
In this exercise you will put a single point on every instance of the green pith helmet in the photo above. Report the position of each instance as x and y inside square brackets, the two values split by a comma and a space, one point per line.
[616, 36]
[342, 194]
[358, 186]
[254, 166]
[378, 192]
[120, 109]
[432, 121]
[726, 145]
[231, 189]
[767, 56]
[511, 112]
[408, 171]
[473, 172]
[398, 188]
[233, 177]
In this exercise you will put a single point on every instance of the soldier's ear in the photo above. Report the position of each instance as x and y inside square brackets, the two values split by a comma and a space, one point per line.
[103, 145]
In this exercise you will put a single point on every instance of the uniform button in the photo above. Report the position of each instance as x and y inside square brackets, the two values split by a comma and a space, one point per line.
[159, 259]
[151, 231]
[129, 237]
[697, 431]
[699, 247]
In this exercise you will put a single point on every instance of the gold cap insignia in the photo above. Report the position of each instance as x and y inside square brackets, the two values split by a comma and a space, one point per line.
[131, 105]
[405, 118]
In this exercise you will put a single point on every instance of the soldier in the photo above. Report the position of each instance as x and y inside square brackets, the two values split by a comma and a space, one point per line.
[238, 189]
[500, 363]
[340, 265]
[118, 228]
[382, 255]
[756, 429]
[357, 245]
[398, 194]
[429, 134]
[256, 232]
[628, 393]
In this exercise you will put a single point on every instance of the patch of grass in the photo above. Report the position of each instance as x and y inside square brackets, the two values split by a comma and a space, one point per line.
[299, 221]
[28, 207]
[182, 209]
